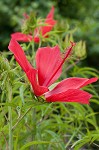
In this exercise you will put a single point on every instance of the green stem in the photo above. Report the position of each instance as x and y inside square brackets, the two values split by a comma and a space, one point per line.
[24, 115]
[75, 133]
[10, 117]
[21, 118]
[10, 129]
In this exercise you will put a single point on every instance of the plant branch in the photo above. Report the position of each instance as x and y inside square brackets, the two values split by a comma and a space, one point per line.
[21, 118]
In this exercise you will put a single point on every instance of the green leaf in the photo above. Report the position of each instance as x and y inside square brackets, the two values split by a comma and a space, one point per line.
[35, 143]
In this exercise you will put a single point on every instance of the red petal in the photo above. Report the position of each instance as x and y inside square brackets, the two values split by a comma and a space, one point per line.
[18, 36]
[51, 13]
[71, 83]
[47, 61]
[73, 95]
[45, 29]
[19, 54]
[90, 81]
[49, 21]
[32, 76]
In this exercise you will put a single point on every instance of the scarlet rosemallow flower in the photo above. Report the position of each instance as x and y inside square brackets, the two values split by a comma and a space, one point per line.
[39, 31]
[48, 69]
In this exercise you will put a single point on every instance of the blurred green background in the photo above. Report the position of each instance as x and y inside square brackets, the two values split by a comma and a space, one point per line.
[82, 15]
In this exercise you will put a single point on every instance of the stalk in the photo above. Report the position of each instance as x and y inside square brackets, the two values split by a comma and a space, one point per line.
[21, 118]
[10, 117]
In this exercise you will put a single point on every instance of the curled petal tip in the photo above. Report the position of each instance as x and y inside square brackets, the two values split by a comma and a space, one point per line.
[72, 43]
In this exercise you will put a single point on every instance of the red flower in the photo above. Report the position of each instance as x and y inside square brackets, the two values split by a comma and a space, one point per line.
[42, 30]
[49, 68]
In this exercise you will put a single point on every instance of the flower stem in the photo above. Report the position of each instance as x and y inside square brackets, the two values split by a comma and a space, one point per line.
[24, 115]
[10, 117]
[75, 133]
[10, 129]
[21, 118]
